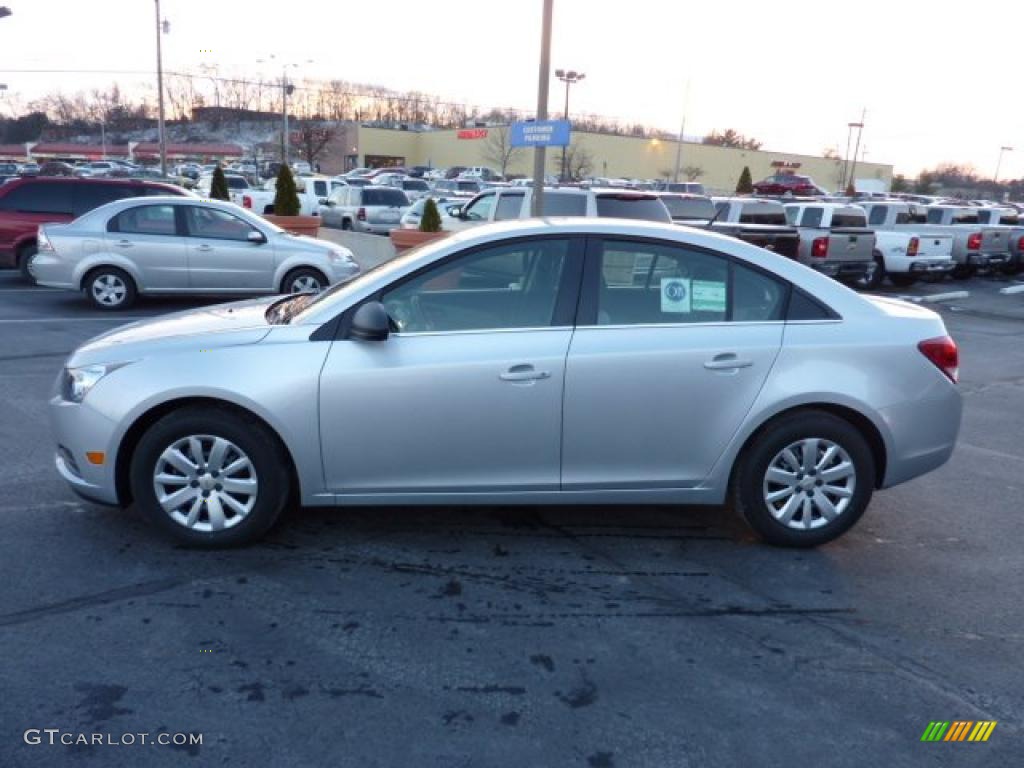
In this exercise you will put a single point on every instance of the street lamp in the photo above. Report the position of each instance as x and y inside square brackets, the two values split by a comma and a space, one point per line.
[4, 11]
[162, 27]
[569, 77]
[287, 89]
[999, 162]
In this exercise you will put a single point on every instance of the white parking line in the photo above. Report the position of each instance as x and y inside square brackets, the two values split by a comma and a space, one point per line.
[32, 290]
[69, 319]
[1012, 289]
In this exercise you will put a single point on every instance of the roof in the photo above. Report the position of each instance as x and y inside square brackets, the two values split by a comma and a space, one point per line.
[152, 149]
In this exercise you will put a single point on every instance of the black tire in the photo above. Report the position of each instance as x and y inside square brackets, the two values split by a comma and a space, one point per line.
[902, 279]
[93, 282]
[750, 483]
[260, 445]
[346, 224]
[25, 254]
[306, 274]
[962, 272]
[877, 276]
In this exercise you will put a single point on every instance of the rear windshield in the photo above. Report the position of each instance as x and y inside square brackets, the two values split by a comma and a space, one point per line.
[562, 204]
[689, 208]
[237, 182]
[633, 207]
[390, 197]
[468, 186]
[415, 184]
[848, 220]
[757, 217]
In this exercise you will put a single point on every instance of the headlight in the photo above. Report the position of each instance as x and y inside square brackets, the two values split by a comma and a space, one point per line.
[340, 257]
[78, 381]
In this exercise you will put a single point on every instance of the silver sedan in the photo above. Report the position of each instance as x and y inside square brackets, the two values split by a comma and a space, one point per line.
[175, 245]
[556, 361]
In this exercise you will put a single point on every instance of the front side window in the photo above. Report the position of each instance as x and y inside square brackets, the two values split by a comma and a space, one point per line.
[145, 220]
[479, 209]
[877, 217]
[215, 224]
[654, 284]
[514, 285]
[564, 204]
[509, 206]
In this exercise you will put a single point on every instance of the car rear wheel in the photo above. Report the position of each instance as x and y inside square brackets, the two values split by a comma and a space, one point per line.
[109, 288]
[962, 272]
[303, 280]
[210, 477]
[875, 275]
[25, 256]
[805, 480]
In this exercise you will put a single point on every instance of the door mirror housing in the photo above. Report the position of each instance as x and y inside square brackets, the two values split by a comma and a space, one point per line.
[257, 237]
[455, 211]
[370, 322]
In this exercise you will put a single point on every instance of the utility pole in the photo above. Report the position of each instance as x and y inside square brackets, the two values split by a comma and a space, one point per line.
[999, 162]
[161, 127]
[853, 170]
[846, 157]
[284, 111]
[539, 153]
[682, 132]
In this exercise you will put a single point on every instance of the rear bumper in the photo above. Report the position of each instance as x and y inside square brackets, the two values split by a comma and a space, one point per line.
[843, 268]
[924, 434]
[987, 259]
[937, 266]
[50, 271]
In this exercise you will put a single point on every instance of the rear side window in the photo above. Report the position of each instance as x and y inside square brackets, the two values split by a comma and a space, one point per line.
[145, 220]
[812, 217]
[39, 198]
[388, 197]
[632, 207]
[319, 188]
[935, 216]
[562, 204]
[803, 307]
[877, 217]
[86, 197]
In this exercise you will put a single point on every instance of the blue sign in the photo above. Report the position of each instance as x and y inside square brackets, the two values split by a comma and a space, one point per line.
[540, 133]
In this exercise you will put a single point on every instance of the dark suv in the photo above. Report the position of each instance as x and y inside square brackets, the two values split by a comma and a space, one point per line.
[27, 203]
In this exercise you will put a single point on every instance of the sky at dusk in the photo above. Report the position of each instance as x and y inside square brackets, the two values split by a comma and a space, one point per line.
[938, 86]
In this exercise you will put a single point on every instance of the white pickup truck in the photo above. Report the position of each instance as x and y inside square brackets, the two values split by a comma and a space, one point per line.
[834, 239]
[312, 191]
[975, 246]
[904, 254]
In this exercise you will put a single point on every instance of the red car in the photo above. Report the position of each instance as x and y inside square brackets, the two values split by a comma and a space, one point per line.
[27, 203]
[787, 184]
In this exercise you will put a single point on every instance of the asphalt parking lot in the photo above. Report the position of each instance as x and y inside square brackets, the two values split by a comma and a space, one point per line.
[516, 637]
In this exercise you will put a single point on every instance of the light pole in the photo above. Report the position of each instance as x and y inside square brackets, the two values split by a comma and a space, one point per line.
[856, 150]
[682, 131]
[999, 162]
[4, 11]
[569, 78]
[287, 89]
[162, 27]
[540, 152]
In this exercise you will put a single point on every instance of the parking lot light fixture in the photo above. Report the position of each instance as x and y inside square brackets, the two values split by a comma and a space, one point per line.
[4, 11]
[569, 77]
[999, 162]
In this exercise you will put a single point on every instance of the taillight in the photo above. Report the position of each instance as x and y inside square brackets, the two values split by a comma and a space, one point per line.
[361, 214]
[43, 242]
[819, 248]
[944, 355]
[1020, 244]
[913, 246]
[246, 201]
[974, 242]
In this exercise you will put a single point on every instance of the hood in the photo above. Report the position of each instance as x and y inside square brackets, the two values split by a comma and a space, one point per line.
[221, 325]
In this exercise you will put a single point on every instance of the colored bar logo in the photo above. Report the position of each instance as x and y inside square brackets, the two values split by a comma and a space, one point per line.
[958, 730]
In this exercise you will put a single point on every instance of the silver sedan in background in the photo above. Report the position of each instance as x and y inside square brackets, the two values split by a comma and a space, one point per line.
[555, 361]
[176, 245]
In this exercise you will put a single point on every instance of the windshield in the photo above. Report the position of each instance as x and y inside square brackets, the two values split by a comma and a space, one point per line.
[688, 207]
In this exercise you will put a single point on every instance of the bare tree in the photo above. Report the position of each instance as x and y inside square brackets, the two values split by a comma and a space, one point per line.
[579, 161]
[498, 150]
[692, 172]
[312, 140]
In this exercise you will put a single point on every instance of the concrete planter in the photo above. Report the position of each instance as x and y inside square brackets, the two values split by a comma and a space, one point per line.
[404, 239]
[297, 225]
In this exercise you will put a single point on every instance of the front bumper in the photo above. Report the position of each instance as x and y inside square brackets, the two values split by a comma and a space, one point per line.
[78, 430]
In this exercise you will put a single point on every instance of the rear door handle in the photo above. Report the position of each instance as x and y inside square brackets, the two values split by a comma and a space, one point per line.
[125, 243]
[727, 362]
[523, 373]
[204, 247]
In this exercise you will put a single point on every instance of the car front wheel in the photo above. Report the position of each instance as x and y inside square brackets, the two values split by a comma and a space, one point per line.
[303, 280]
[210, 477]
[805, 480]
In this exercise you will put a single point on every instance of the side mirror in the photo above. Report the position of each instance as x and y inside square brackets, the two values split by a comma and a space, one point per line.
[455, 211]
[370, 322]
[256, 237]
[323, 201]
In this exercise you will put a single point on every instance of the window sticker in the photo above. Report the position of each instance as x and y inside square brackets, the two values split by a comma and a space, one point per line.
[708, 296]
[675, 295]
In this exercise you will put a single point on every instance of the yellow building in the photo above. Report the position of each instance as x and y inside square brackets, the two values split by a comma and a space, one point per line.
[610, 155]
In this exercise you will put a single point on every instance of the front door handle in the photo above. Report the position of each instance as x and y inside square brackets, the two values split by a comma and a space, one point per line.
[204, 247]
[727, 362]
[124, 243]
[523, 373]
